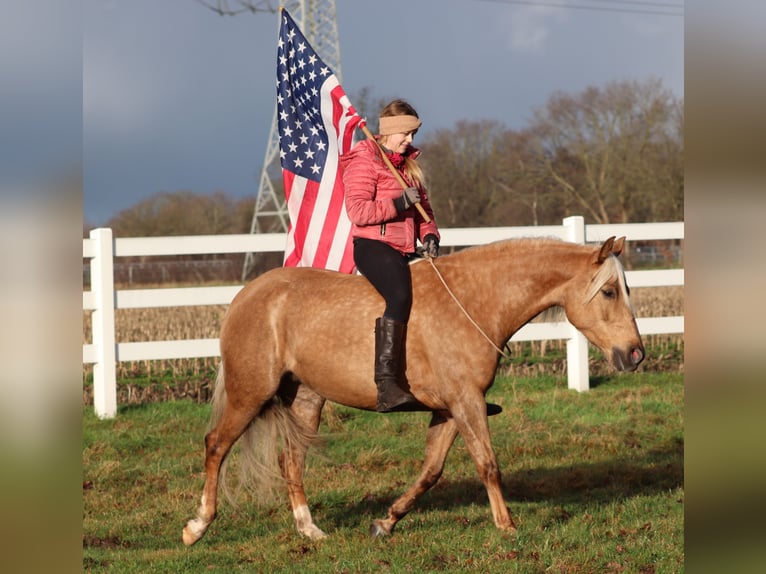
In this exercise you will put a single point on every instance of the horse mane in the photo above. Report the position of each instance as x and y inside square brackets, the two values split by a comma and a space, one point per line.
[529, 243]
[610, 270]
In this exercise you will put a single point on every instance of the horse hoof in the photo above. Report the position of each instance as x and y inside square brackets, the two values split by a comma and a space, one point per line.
[509, 528]
[188, 537]
[314, 533]
[193, 531]
[376, 529]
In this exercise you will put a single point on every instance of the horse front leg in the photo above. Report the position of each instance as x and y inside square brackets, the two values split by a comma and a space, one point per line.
[472, 422]
[307, 410]
[441, 435]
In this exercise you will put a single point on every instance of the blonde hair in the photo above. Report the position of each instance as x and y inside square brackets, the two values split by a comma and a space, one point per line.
[412, 168]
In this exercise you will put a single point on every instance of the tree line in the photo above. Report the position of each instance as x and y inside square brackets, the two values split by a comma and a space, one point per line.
[612, 154]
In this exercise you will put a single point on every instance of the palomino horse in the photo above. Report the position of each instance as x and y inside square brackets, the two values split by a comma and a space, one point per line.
[296, 337]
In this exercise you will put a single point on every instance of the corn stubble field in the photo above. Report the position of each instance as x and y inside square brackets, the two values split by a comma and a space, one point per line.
[593, 480]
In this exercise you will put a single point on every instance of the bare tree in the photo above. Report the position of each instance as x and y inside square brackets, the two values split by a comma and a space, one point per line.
[613, 151]
[459, 164]
[481, 173]
[519, 179]
[182, 213]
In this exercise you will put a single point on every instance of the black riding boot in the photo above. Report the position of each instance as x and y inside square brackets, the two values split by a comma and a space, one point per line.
[390, 337]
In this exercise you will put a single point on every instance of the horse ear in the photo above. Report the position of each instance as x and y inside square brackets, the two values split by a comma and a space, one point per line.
[618, 246]
[606, 250]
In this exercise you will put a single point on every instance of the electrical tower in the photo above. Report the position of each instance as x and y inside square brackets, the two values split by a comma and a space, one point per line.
[317, 19]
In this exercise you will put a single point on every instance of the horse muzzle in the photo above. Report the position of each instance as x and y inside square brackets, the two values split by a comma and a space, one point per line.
[628, 361]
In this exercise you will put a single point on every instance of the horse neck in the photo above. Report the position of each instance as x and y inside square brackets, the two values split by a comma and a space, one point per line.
[517, 280]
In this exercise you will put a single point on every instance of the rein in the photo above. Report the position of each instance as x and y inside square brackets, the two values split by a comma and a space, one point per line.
[505, 354]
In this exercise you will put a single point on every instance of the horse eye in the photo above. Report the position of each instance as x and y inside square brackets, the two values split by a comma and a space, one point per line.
[608, 293]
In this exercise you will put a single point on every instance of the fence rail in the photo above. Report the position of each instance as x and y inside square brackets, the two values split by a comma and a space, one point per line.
[102, 299]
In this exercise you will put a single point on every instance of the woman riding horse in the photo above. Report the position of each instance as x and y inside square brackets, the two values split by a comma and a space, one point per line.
[385, 229]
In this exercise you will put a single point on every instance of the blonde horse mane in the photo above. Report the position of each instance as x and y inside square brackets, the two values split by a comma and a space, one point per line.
[610, 270]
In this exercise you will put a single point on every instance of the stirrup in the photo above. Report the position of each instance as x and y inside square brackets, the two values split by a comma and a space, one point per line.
[405, 403]
[493, 409]
[411, 404]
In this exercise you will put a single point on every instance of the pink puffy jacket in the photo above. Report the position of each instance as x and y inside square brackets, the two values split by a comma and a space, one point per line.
[370, 192]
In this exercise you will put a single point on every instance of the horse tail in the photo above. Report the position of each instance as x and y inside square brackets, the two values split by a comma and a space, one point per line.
[274, 430]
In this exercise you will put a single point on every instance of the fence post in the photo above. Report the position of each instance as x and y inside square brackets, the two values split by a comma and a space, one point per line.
[102, 286]
[577, 345]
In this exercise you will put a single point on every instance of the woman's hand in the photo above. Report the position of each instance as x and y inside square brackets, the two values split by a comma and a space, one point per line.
[431, 246]
[410, 196]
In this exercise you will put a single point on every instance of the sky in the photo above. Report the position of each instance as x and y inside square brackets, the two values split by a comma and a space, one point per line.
[177, 97]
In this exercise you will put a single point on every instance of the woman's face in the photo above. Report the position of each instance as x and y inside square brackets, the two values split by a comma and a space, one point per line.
[398, 143]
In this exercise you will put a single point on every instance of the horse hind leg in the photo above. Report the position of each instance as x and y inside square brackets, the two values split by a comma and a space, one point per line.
[305, 409]
[232, 421]
[441, 435]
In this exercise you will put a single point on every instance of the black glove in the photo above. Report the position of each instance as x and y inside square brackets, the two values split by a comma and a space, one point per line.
[409, 197]
[431, 246]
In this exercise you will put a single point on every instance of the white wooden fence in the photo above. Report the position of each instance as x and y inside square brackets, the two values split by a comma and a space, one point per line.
[104, 351]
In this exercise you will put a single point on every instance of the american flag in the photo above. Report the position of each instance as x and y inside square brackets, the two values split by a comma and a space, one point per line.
[316, 123]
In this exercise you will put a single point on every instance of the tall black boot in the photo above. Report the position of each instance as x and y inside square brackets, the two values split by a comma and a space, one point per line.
[390, 338]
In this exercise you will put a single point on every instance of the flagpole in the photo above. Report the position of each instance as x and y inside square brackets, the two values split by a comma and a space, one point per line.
[396, 173]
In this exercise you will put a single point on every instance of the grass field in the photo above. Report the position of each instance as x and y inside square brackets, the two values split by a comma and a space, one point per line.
[593, 480]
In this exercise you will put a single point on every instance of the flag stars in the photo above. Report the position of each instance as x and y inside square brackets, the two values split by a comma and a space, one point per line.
[303, 137]
[306, 88]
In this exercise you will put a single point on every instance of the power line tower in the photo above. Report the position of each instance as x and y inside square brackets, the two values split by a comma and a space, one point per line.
[318, 21]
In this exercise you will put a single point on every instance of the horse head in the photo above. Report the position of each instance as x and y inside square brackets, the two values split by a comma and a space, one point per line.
[599, 306]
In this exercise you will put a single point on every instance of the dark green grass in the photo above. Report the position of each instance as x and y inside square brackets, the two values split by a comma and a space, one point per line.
[594, 482]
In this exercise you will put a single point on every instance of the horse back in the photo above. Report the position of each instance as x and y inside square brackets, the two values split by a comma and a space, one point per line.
[313, 323]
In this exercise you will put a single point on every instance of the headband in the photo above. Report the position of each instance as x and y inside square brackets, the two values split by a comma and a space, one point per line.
[398, 125]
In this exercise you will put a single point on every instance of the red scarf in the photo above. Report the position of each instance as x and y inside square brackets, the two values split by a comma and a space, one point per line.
[397, 159]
